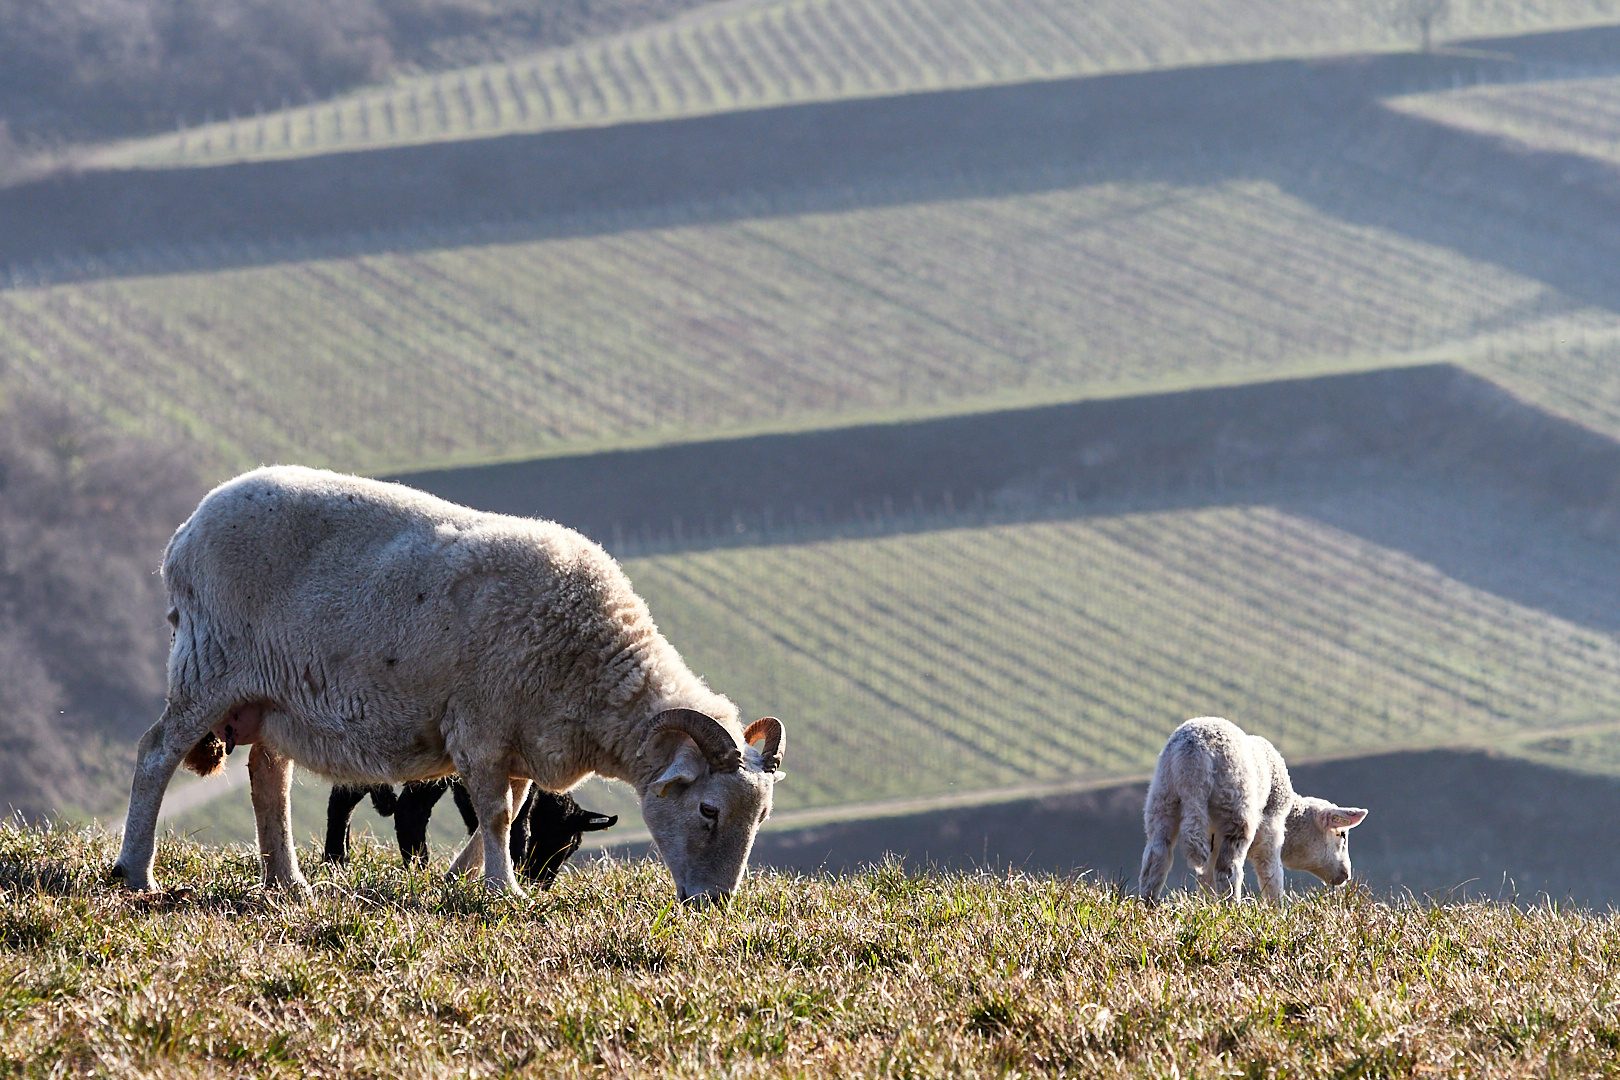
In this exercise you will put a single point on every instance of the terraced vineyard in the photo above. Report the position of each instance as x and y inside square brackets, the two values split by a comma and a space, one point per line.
[885, 303]
[774, 52]
[970, 658]
[1568, 116]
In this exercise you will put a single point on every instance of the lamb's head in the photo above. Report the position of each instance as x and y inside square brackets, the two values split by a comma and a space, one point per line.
[557, 824]
[707, 797]
[1317, 839]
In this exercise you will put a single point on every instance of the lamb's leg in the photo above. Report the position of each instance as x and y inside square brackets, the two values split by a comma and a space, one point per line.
[157, 755]
[1266, 852]
[1195, 841]
[1227, 879]
[412, 812]
[1163, 824]
[520, 825]
[339, 810]
[270, 778]
[464, 806]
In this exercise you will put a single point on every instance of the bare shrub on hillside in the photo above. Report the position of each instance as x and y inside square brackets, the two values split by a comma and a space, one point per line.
[1422, 16]
[79, 68]
[84, 514]
[88, 66]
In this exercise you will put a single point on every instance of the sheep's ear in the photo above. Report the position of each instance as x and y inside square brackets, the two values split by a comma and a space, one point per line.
[595, 822]
[684, 768]
[1340, 817]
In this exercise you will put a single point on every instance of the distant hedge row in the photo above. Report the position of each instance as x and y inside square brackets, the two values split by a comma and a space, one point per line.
[84, 514]
[77, 68]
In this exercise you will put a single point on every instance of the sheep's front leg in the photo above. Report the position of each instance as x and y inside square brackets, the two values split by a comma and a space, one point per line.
[270, 778]
[491, 792]
[159, 753]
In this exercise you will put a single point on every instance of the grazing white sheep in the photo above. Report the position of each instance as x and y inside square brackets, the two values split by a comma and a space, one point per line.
[374, 633]
[1228, 795]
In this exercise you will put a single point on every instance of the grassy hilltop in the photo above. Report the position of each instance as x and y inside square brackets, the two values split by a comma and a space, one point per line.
[879, 973]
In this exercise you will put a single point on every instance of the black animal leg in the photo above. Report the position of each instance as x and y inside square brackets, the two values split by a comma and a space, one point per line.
[412, 811]
[339, 809]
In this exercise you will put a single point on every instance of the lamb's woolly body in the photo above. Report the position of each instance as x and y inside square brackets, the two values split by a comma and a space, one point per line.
[379, 622]
[374, 633]
[1228, 795]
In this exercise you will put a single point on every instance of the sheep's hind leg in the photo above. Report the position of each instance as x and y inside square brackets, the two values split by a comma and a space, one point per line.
[1156, 860]
[1227, 876]
[158, 754]
[1195, 847]
[270, 778]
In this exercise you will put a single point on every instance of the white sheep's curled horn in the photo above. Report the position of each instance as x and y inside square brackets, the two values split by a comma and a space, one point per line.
[768, 728]
[718, 745]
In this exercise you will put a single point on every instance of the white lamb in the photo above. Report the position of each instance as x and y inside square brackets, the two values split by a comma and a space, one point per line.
[373, 633]
[1228, 794]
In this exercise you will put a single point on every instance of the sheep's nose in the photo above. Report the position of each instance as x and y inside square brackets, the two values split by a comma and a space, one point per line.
[718, 897]
[1344, 876]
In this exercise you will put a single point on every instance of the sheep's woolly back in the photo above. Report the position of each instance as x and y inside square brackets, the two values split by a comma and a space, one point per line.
[368, 608]
[1211, 768]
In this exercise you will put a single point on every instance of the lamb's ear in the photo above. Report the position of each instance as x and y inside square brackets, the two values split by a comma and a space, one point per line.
[597, 822]
[684, 768]
[1341, 817]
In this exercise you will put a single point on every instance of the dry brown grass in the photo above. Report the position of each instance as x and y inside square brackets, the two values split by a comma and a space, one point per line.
[883, 973]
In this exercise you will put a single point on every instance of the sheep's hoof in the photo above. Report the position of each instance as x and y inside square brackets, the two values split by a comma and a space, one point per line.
[136, 883]
[295, 888]
[509, 888]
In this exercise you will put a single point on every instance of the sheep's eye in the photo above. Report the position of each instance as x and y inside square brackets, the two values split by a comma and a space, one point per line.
[763, 814]
[709, 811]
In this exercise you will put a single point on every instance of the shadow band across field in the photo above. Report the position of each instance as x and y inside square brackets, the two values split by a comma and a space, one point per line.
[1429, 424]
[99, 222]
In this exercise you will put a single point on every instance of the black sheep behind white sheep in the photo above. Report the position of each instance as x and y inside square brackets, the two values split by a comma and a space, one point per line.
[546, 830]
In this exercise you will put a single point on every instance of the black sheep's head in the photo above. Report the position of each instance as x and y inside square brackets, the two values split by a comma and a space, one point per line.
[556, 825]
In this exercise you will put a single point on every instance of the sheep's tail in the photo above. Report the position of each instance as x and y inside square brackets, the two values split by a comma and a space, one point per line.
[207, 757]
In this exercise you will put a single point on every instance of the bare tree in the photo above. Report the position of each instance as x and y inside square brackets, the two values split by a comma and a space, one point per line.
[1424, 16]
[84, 513]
